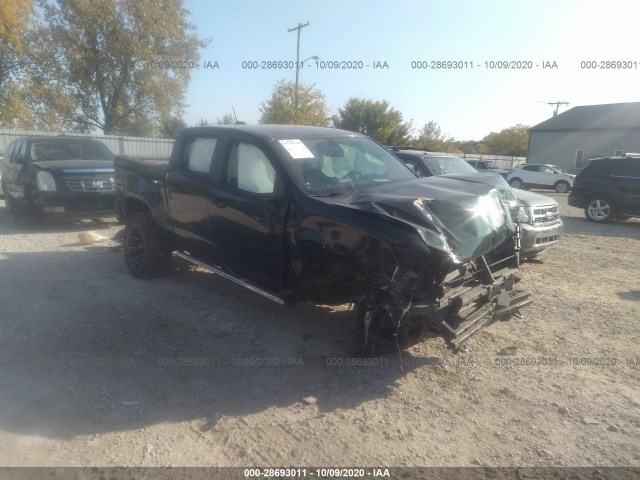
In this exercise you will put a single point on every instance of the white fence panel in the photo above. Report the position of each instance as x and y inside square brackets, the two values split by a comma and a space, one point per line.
[133, 146]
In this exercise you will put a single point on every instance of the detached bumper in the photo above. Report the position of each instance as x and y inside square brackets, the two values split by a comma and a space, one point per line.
[536, 239]
[472, 305]
[75, 205]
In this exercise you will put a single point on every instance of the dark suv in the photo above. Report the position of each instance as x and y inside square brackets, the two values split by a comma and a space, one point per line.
[608, 188]
[57, 176]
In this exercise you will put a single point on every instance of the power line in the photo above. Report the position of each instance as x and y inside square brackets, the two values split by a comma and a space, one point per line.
[298, 28]
[557, 104]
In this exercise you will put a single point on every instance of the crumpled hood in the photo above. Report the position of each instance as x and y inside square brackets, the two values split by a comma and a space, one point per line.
[465, 219]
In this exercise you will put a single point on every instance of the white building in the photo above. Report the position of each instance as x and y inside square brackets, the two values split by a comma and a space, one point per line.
[574, 137]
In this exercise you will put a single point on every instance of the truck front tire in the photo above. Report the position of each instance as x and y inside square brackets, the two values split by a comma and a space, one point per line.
[144, 253]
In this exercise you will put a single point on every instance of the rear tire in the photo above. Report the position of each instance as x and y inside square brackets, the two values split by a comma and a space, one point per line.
[144, 253]
[600, 210]
[8, 201]
[562, 187]
[516, 183]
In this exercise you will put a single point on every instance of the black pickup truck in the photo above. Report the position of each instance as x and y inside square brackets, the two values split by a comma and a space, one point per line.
[321, 215]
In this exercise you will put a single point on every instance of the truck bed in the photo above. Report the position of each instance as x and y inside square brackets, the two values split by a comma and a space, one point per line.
[147, 167]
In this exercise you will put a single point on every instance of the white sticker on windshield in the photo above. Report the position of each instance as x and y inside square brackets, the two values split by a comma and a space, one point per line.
[296, 149]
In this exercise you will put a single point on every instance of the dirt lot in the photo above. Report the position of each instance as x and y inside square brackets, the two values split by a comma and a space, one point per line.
[97, 368]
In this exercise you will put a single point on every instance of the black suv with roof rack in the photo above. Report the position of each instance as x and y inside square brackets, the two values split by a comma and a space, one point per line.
[608, 188]
[46, 176]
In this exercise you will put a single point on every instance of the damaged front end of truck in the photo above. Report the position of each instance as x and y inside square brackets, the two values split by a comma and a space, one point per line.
[452, 270]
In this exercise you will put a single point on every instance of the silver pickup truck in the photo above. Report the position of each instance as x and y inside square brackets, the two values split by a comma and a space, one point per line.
[539, 218]
[538, 215]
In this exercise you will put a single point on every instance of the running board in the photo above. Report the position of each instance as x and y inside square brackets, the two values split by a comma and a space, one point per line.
[231, 277]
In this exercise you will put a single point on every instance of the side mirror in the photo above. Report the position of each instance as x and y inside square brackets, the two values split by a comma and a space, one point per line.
[20, 159]
[411, 167]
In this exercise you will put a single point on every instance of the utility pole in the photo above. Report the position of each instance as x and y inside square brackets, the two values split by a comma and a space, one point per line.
[557, 104]
[298, 28]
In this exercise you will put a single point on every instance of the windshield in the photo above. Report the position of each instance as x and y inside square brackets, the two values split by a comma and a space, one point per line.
[492, 165]
[337, 165]
[448, 164]
[69, 149]
[556, 169]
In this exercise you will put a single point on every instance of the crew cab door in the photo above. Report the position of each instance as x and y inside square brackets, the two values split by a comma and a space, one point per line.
[247, 213]
[188, 185]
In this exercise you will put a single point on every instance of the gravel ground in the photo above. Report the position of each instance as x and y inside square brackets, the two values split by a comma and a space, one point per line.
[98, 368]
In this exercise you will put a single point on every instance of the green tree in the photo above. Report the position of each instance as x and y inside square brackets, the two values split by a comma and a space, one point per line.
[203, 122]
[430, 137]
[280, 108]
[373, 118]
[113, 59]
[172, 127]
[469, 146]
[227, 119]
[15, 16]
[512, 141]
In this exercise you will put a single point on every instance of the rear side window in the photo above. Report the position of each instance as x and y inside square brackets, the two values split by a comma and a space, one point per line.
[200, 155]
[599, 168]
[16, 149]
[634, 167]
[250, 170]
[9, 151]
[531, 168]
[628, 167]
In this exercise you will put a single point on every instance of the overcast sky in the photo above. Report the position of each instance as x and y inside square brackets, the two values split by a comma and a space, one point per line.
[468, 103]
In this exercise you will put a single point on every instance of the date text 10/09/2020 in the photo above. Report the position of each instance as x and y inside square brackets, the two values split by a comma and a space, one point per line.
[486, 65]
[317, 472]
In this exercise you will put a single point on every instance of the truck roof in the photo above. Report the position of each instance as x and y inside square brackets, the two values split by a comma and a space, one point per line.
[276, 132]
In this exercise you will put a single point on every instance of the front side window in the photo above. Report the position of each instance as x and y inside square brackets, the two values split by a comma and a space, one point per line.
[492, 165]
[417, 168]
[200, 155]
[250, 170]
